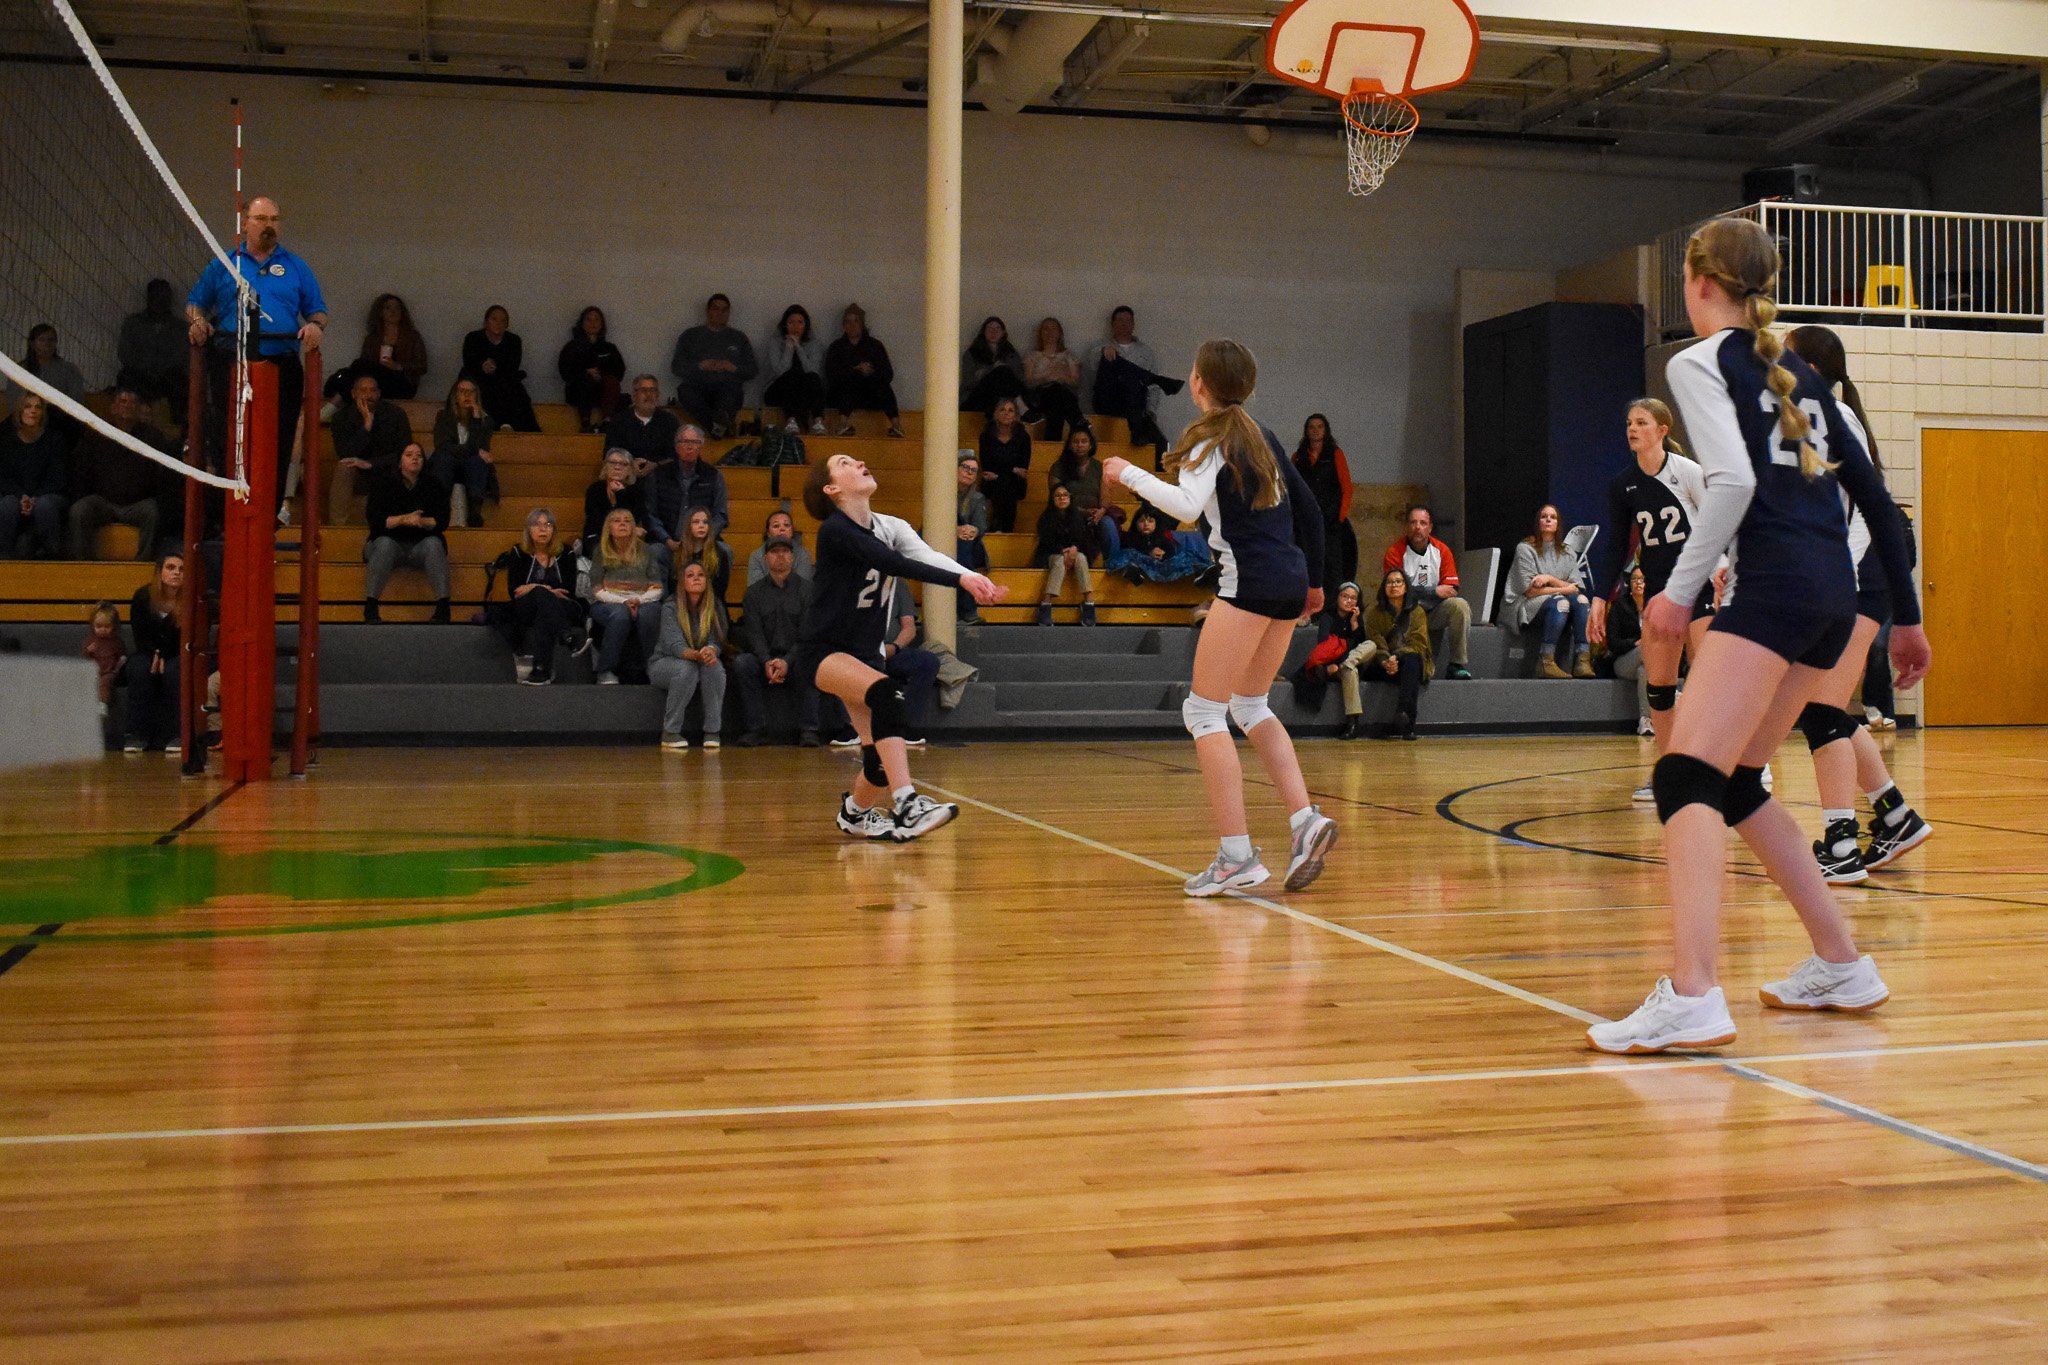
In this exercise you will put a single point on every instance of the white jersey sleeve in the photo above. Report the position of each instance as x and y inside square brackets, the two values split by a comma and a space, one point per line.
[1692, 485]
[901, 537]
[1186, 499]
[1859, 529]
[1722, 454]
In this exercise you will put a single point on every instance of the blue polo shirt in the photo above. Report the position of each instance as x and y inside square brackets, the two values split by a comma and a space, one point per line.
[285, 290]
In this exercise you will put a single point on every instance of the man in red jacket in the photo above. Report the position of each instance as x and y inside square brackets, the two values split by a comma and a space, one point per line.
[1433, 582]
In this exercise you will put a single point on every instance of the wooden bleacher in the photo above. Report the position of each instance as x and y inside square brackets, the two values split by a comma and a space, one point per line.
[552, 468]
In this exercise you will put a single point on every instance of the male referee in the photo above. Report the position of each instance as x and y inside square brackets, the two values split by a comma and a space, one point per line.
[291, 302]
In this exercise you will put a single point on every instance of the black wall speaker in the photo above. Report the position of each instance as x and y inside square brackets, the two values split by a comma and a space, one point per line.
[1799, 183]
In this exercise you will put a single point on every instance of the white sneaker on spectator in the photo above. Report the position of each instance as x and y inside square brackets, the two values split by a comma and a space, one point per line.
[1223, 875]
[133, 746]
[175, 746]
[1880, 721]
[1667, 1020]
[914, 741]
[1643, 726]
[817, 426]
[522, 667]
[847, 742]
[1643, 796]
[709, 742]
[607, 680]
[792, 428]
[671, 741]
[1815, 984]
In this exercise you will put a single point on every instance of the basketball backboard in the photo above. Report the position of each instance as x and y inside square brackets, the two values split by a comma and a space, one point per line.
[1409, 47]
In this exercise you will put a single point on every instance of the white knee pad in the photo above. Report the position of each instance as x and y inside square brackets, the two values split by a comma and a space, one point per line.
[1205, 717]
[1249, 712]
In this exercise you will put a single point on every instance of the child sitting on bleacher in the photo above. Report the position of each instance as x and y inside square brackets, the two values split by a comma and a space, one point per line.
[1150, 552]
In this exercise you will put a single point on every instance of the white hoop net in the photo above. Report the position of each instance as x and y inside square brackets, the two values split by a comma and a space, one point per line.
[89, 213]
[1377, 127]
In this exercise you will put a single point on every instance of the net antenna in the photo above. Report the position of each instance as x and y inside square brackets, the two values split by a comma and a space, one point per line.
[89, 213]
[1373, 57]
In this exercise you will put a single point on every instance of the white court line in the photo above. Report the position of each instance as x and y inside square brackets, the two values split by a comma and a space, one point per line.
[2011, 1164]
[1435, 964]
[1191, 1092]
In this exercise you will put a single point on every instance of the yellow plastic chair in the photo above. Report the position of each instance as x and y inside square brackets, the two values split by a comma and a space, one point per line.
[1883, 278]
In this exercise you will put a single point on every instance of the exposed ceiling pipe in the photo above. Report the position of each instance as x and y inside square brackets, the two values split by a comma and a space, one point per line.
[1034, 64]
[706, 17]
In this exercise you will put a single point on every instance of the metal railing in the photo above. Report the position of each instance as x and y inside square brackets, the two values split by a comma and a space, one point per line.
[1860, 265]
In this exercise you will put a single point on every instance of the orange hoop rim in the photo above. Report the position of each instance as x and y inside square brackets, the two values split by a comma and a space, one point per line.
[1372, 92]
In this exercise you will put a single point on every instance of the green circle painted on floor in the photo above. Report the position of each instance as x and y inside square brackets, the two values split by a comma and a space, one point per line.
[243, 884]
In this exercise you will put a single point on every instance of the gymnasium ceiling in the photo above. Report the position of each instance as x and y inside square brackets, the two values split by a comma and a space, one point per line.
[1636, 92]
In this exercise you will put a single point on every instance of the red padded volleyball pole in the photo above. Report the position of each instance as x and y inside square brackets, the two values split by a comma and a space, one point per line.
[192, 669]
[248, 614]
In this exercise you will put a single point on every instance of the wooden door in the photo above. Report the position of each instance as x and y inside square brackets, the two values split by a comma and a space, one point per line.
[1984, 537]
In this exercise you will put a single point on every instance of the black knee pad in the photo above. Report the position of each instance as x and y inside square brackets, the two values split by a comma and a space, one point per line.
[1824, 725]
[889, 716]
[1745, 795]
[1662, 696]
[871, 767]
[1680, 780]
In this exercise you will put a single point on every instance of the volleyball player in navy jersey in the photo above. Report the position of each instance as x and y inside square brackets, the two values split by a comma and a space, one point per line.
[1776, 456]
[1653, 502]
[1845, 758]
[1266, 530]
[860, 555]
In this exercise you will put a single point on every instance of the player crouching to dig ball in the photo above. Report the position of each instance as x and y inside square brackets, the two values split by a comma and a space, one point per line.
[861, 553]
[1777, 455]
[1267, 534]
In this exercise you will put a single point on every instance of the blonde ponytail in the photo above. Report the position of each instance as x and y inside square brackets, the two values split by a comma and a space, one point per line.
[1229, 372]
[1740, 257]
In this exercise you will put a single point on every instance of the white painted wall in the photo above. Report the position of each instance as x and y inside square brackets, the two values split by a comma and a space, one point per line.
[2000, 28]
[645, 205]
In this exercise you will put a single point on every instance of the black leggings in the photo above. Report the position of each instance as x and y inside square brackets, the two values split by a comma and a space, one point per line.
[1061, 407]
[991, 389]
[799, 394]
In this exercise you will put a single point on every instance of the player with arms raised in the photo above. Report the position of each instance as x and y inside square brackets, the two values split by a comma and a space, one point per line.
[861, 554]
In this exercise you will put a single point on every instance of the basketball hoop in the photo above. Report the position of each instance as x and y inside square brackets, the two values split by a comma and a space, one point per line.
[1373, 57]
[1377, 127]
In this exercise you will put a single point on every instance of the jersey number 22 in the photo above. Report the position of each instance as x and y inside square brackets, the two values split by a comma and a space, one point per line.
[1674, 531]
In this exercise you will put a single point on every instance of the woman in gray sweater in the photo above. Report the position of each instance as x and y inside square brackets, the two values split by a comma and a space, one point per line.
[689, 657]
[1544, 585]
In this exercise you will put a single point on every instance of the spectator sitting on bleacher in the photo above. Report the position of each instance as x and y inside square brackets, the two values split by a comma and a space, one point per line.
[1080, 469]
[970, 513]
[771, 623]
[913, 666]
[369, 432]
[541, 609]
[153, 350]
[858, 375]
[592, 369]
[103, 647]
[699, 544]
[32, 464]
[1398, 631]
[153, 616]
[1625, 645]
[111, 483]
[393, 350]
[782, 524]
[688, 658]
[492, 357]
[1065, 543]
[1150, 552]
[1052, 382]
[1343, 635]
[687, 481]
[1430, 574]
[615, 489]
[712, 364]
[990, 369]
[408, 513]
[1005, 454]
[462, 450]
[645, 429]
[1126, 379]
[796, 373]
[1544, 584]
[42, 361]
[625, 588]
[1328, 474]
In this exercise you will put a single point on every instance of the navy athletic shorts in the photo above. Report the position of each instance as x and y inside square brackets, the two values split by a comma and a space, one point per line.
[1874, 603]
[1273, 608]
[1796, 632]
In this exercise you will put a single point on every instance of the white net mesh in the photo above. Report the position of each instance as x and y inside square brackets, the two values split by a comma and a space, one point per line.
[89, 214]
[1377, 127]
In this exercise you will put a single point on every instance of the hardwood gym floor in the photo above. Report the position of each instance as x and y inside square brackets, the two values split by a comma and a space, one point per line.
[615, 1055]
